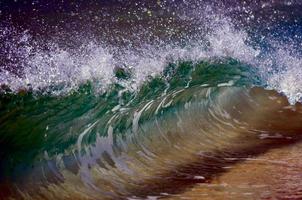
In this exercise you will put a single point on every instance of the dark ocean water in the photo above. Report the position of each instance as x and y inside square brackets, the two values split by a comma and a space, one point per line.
[138, 100]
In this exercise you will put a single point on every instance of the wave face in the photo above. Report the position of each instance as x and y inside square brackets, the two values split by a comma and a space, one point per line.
[145, 100]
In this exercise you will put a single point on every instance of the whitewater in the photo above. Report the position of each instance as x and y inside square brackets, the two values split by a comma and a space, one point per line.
[140, 114]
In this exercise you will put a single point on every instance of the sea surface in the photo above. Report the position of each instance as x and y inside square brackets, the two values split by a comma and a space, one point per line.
[175, 99]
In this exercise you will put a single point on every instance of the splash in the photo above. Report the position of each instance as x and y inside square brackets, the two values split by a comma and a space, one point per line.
[39, 69]
[154, 103]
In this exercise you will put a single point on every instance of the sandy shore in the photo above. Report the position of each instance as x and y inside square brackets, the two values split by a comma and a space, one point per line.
[277, 174]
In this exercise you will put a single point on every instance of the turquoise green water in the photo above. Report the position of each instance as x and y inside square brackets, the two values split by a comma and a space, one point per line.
[32, 123]
[120, 142]
[150, 100]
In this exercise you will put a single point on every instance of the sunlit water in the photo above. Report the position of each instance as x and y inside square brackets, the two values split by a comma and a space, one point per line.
[192, 100]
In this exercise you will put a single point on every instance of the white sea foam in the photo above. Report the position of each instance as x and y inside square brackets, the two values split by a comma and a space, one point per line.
[287, 77]
[96, 62]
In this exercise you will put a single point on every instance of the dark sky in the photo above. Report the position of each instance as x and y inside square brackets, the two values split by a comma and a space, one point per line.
[107, 18]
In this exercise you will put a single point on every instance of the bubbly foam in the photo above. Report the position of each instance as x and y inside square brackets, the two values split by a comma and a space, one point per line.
[287, 77]
[96, 62]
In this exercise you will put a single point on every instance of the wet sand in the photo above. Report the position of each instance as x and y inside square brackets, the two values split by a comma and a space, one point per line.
[276, 174]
